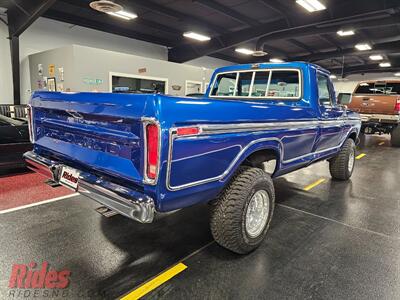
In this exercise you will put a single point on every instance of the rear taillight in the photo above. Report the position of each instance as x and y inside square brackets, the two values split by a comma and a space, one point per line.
[397, 106]
[30, 123]
[152, 138]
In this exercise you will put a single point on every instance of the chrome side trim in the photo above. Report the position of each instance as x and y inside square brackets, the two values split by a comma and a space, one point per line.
[246, 127]
[186, 185]
[146, 121]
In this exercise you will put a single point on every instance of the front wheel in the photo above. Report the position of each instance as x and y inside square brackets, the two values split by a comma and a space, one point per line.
[241, 216]
[341, 167]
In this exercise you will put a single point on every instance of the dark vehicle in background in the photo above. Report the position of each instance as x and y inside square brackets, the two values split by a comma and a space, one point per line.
[378, 103]
[14, 141]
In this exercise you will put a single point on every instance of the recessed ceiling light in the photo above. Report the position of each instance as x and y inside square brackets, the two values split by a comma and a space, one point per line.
[196, 36]
[397, 74]
[385, 65]
[311, 5]
[376, 57]
[123, 15]
[244, 51]
[276, 60]
[345, 32]
[333, 76]
[363, 47]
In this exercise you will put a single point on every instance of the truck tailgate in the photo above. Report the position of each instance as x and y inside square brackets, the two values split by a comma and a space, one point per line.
[374, 104]
[96, 131]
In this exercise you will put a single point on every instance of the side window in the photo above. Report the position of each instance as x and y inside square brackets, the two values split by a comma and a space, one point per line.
[324, 95]
[260, 84]
[284, 84]
[224, 85]
[244, 83]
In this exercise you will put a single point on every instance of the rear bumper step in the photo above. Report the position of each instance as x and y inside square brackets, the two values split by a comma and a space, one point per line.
[125, 201]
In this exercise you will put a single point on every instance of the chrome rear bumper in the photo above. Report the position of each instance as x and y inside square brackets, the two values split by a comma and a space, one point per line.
[125, 201]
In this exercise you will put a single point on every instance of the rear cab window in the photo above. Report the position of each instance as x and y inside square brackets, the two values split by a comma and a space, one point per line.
[378, 88]
[262, 84]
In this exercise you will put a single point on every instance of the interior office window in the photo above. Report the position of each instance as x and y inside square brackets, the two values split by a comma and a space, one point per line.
[324, 96]
[260, 84]
[284, 84]
[224, 85]
[244, 82]
[122, 84]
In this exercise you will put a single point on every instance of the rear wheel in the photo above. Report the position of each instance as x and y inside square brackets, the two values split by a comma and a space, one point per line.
[341, 167]
[241, 216]
[395, 137]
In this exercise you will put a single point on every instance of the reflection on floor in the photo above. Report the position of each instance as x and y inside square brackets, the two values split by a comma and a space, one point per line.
[339, 240]
[23, 187]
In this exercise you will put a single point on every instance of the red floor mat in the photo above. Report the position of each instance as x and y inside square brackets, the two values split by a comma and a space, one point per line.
[22, 189]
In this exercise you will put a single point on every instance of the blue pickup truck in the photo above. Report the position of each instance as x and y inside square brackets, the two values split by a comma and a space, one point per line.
[146, 153]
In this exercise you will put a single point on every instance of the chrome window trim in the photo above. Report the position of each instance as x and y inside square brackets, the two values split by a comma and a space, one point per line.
[270, 70]
[329, 90]
[146, 121]
[30, 124]
[245, 127]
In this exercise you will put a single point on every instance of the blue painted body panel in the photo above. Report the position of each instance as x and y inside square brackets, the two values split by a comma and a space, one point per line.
[102, 133]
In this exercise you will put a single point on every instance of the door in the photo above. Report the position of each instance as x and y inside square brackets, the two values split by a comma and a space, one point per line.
[331, 115]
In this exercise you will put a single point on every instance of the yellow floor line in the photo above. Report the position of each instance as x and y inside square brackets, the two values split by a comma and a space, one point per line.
[314, 184]
[360, 156]
[381, 143]
[155, 282]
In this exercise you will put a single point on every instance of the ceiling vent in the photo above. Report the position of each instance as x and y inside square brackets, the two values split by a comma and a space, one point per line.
[105, 6]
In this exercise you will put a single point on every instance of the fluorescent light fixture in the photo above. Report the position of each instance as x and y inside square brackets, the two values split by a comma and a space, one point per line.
[385, 65]
[276, 60]
[345, 32]
[244, 51]
[333, 76]
[123, 15]
[397, 74]
[196, 36]
[311, 5]
[376, 57]
[127, 14]
[363, 47]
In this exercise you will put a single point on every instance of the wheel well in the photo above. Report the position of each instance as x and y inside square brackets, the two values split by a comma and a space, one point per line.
[257, 158]
[353, 136]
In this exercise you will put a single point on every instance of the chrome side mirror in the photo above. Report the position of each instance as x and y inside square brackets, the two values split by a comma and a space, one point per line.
[344, 98]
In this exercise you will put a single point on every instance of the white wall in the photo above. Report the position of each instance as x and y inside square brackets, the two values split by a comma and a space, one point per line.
[6, 94]
[45, 34]
[349, 84]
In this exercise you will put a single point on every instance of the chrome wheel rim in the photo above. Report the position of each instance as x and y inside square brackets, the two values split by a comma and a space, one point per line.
[257, 213]
[350, 165]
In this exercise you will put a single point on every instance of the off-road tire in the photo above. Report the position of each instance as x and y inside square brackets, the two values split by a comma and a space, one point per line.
[395, 137]
[228, 214]
[338, 166]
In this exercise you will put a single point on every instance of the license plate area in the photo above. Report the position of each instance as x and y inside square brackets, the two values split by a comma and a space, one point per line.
[69, 177]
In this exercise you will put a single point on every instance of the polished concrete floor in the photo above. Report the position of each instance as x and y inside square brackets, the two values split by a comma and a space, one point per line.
[340, 240]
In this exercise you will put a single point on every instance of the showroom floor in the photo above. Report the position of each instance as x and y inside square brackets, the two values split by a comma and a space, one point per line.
[328, 240]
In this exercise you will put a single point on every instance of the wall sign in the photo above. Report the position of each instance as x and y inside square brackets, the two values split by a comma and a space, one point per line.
[92, 81]
[52, 70]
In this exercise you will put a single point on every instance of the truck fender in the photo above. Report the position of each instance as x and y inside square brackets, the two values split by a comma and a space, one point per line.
[251, 154]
